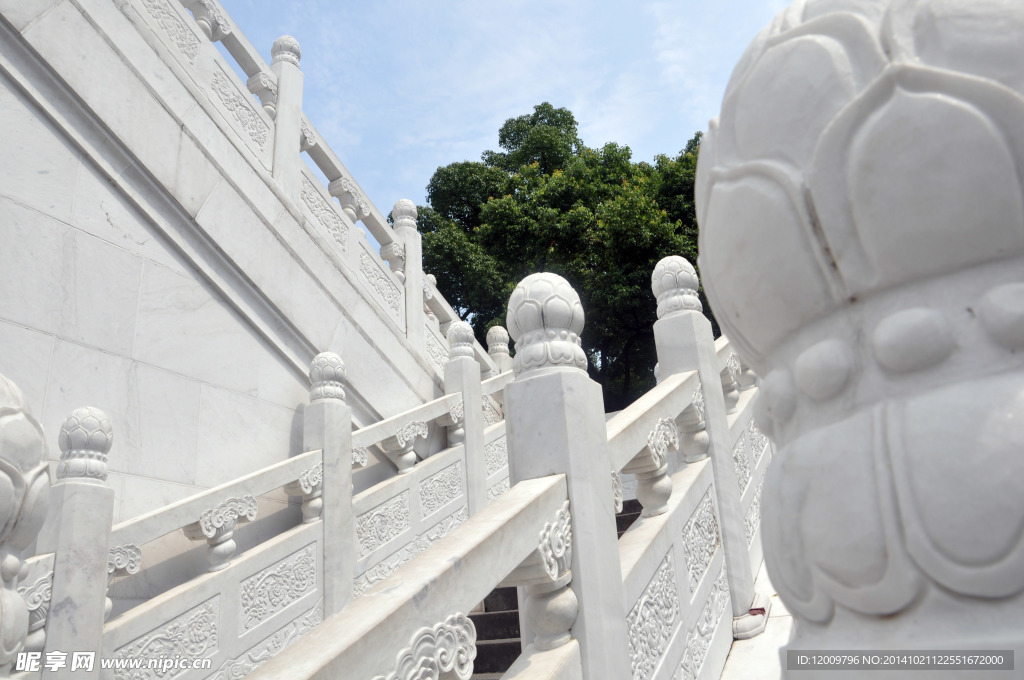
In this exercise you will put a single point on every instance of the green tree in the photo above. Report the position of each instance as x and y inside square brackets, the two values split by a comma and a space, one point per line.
[547, 202]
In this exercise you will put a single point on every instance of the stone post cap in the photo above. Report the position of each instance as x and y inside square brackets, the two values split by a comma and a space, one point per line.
[674, 283]
[84, 440]
[326, 373]
[545, 318]
[404, 214]
[286, 48]
[497, 340]
[460, 340]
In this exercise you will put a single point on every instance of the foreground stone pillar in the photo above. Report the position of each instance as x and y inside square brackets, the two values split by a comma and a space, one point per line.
[862, 244]
[25, 474]
[555, 418]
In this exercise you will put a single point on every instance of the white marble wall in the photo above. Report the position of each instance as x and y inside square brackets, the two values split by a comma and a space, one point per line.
[97, 308]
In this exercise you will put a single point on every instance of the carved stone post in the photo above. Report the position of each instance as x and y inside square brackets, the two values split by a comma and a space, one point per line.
[866, 256]
[288, 121]
[25, 476]
[497, 348]
[693, 434]
[327, 425]
[85, 508]
[351, 198]
[462, 375]
[556, 424]
[682, 335]
[406, 234]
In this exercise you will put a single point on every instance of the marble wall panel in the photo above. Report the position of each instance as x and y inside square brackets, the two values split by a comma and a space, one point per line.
[25, 359]
[239, 434]
[183, 327]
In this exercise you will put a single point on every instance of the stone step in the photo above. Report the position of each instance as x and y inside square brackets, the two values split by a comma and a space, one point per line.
[496, 656]
[501, 600]
[496, 625]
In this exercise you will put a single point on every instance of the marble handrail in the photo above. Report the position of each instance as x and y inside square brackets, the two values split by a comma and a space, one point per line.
[628, 430]
[389, 427]
[452, 576]
[162, 521]
[496, 384]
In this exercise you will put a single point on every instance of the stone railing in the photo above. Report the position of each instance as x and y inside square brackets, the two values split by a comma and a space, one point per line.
[406, 558]
[262, 116]
[651, 605]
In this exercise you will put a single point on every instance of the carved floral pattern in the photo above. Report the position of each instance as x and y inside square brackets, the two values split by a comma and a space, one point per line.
[698, 402]
[37, 597]
[758, 441]
[617, 491]
[556, 543]
[240, 107]
[752, 520]
[390, 564]
[446, 650]
[440, 489]
[662, 438]
[325, 214]
[409, 432]
[491, 414]
[126, 558]
[653, 619]
[349, 187]
[227, 513]
[741, 461]
[271, 590]
[733, 365]
[497, 490]
[270, 647]
[360, 455]
[699, 639]
[700, 540]
[312, 479]
[380, 283]
[383, 523]
[192, 635]
[496, 455]
[437, 353]
[174, 27]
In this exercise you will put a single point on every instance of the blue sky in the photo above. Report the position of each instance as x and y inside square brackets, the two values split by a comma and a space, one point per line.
[400, 87]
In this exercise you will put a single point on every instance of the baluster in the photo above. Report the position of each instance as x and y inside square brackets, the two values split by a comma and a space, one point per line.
[551, 606]
[84, 509]
[210, 19]
[429, 286]
[650, 466]
[399, 448]
[555, 421]
[26, 477]
[264, 86]
[351, 199]
[730, 386]
[693, 434]
[217, 526]
[121, 560]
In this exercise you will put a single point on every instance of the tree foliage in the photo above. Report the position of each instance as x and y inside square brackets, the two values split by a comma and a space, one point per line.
[547, 202]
